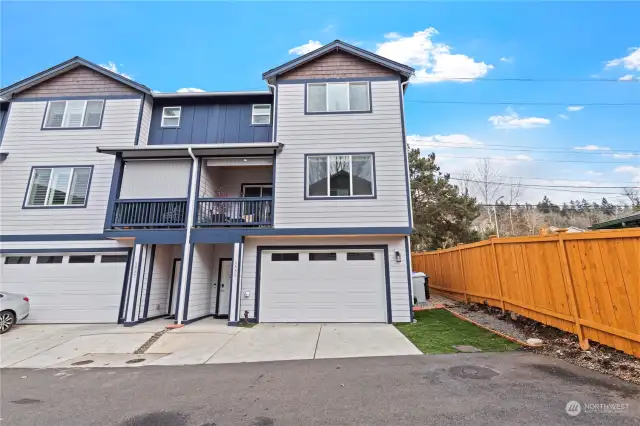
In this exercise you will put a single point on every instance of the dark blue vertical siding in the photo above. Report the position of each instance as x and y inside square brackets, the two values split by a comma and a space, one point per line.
[208, 123]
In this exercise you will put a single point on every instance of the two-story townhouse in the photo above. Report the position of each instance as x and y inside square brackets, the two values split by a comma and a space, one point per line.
[288, 205]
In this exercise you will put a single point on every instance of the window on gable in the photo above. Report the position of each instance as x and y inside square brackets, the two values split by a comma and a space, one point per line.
[171, 116]
[74, 114]
[340, 175]
[261, 114]
[58, 186]
[338, 97]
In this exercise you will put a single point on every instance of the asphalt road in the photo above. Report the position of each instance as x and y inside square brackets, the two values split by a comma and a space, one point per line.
[492, 389]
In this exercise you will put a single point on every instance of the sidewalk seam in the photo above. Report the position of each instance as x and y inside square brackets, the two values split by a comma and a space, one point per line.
[221, 347]
[317, 341]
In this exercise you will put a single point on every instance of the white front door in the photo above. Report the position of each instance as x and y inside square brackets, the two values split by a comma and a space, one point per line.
[310, 285]
[175, 285]
[224, 287]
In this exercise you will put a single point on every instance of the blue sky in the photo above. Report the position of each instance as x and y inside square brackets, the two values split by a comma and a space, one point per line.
[224, 46]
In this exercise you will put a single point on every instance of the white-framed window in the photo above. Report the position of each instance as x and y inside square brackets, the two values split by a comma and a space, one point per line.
[73, 114]
[340, 175]
[58, 186]
[261, 114]
[171, 116]
[338, 97]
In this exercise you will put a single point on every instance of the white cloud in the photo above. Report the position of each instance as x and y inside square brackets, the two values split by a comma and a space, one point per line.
[575, 108]
[443, 141]
[630, 62]
[624, 155]
[190, 90]
[563, 116]
[513, 121]
[506, 60]
[303, 49]
[111, 66]
[592, 173]
[627, 77]
[634, 171]
[434, 62]
[591, 148]
[327, 29]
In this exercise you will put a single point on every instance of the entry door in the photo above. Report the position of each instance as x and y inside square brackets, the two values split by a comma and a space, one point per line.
[224, 287]
[174, 286]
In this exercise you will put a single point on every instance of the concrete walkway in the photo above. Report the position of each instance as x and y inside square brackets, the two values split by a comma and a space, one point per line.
[208, 341]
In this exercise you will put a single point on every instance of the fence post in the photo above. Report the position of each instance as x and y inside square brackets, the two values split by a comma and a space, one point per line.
[568, 281]
[440, 280]
[464, 279]
[497, 271]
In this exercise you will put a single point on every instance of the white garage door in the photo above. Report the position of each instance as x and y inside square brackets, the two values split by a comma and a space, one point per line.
[323, 286]
[67, 288]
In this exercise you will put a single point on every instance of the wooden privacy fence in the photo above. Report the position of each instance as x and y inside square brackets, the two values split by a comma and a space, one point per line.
[585, 283]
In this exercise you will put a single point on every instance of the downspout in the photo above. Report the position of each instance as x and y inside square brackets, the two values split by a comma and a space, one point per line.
[275, 106]
[404, 138]
[186, 261]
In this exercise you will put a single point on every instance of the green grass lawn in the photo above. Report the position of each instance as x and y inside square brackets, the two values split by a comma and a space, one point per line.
[438, 330]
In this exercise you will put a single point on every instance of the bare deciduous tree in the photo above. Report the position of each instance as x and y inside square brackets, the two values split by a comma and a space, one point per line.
[488, 183]
[633, 194]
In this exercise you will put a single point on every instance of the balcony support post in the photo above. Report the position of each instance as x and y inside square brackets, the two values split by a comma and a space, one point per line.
[187, 249]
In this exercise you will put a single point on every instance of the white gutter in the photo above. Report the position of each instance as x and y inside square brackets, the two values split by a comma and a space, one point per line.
[275, 106]
[404, 130]
[208, 94]
[186, 255]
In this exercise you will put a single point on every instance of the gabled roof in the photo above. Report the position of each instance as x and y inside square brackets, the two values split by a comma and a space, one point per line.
[404, 70]
[63, 67]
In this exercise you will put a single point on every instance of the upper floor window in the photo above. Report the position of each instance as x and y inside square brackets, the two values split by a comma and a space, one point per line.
[261, 114]
[73, 114]
[340, 175]
[58, 186]
[171, 116]
[338, 97]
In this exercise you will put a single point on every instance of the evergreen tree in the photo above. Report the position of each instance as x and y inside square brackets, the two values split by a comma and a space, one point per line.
[442, 214]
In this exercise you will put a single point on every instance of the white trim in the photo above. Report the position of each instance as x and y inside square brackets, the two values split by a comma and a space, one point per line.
[179, 117]
[254, 114]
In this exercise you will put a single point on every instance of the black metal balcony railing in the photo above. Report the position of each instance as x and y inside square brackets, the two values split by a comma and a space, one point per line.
[234, 212]
[150, 213]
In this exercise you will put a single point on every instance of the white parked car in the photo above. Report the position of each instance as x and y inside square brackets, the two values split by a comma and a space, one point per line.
[13, 309]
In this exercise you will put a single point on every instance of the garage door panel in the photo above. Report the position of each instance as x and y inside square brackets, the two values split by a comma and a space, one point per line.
[68, 292]
[337, 290]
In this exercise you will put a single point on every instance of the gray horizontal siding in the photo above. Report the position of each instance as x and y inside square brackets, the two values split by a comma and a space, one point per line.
[155, 179]
[145, 122]
[397, 270]
[29, 146]
[379, 132]
[201, 281]
[208, 124]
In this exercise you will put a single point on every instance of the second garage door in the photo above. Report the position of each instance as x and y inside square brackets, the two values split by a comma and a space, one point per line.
[323, 286]
[67, 288]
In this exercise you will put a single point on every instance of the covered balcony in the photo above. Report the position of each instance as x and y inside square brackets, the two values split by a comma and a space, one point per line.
[232, 192]
[235, 192]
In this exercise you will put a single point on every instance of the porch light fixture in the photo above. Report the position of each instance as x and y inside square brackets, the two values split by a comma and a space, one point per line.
[398, 257]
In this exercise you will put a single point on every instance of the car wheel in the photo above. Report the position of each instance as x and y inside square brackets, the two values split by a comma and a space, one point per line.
[7, 319]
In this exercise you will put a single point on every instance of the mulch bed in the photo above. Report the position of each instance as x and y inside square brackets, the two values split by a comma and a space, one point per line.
[557, 343]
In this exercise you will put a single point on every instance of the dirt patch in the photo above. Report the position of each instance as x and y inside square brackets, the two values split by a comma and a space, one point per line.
[557, 343]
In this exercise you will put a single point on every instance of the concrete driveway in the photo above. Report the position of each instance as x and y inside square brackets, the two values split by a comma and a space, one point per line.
[207, 341]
